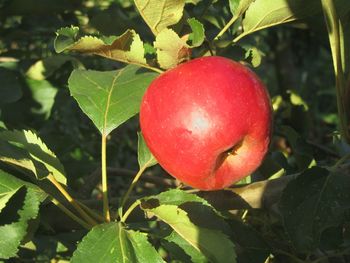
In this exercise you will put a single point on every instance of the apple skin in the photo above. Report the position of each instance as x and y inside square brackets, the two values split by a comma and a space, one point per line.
[207, 122]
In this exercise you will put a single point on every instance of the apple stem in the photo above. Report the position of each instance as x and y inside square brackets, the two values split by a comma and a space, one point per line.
[106, 213]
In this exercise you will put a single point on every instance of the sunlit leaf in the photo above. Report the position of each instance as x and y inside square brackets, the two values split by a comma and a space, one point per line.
[238, 7]
[266, 13]
[44, 68]
[215, 245]
[195, 255]
[25, 149]
[110, 243]
[109, 98]
[44, 94]
[198, 33]
[127, 48]
[160, 14]
[177, 197]
[171, 49]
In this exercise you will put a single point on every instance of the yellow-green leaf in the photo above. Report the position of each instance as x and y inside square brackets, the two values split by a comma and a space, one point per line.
[160, 14]
[171, 49]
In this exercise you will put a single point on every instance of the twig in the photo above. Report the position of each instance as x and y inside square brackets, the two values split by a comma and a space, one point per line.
[71, 200]
[70, 214]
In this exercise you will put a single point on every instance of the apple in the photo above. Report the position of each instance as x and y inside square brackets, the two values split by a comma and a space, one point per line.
[207, 122]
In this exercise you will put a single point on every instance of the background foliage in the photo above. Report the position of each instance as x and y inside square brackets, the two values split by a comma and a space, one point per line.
[62, 67]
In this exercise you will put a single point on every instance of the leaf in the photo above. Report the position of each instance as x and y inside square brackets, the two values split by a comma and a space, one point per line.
[160, 14]
[10, 88]
[44, 68]
[215, 245]
[177, 197]
[65, 37]
[109, 98]
[144, 156]
[127, 48]
[171, 49]
[253, 247]
[28, 151]
[25, 199]
[110, 243]
[312, 203]
[255, 55]
[44, 94]
[266, 13]
[198, 33]
[238, 7]
[195, 255]
[6, 196]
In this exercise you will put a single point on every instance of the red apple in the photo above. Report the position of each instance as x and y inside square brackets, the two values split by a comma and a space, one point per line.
[207, 122]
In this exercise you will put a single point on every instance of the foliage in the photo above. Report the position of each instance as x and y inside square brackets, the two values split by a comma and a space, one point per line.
[58, 88]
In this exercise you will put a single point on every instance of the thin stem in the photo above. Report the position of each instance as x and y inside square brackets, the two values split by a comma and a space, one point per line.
[70, 214]
[239, 37]
[130, 209]
[131, 187]
[106, 214]
[71, 200]
[226, 27]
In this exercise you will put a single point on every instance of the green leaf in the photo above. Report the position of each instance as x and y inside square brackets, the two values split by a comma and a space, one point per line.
[25, 149]
[44, 68]
[65, 37]
[215, 245]
[23, 200]
[177, 197]
[109, 98]
[312, 203]
[238, 7]
[255, 56]
[5, 196]
[44, 94]
[253, 247]
[160, 14]
[195, 255]
[266, 13]
[127, 48]
[110, 243]
[144, 156]
[171, 49]
[198, 33]
[10, 88]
